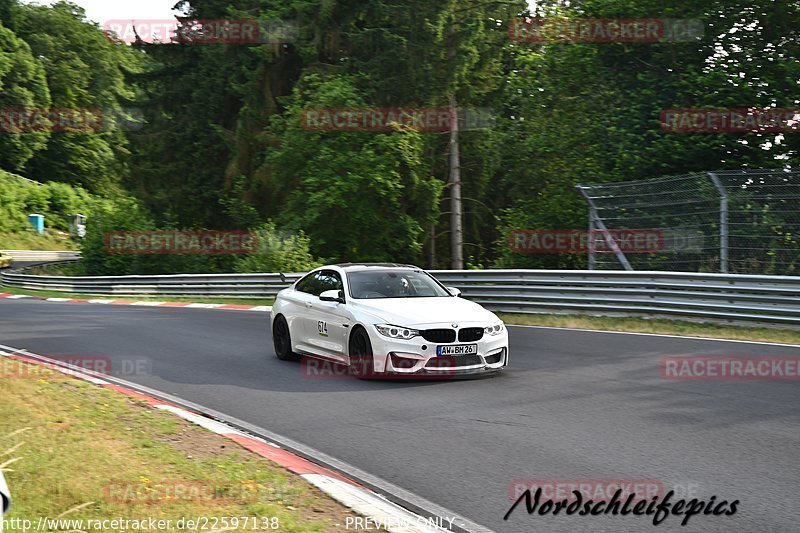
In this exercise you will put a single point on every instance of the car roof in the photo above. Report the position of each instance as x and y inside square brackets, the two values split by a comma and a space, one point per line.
[365, 266]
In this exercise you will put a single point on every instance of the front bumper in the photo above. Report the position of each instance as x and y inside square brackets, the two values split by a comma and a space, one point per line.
[417, 357]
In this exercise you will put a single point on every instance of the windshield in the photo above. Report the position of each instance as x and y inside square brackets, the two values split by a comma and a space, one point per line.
[374, 284]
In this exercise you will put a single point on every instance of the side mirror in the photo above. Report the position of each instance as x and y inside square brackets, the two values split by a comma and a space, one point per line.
[332, 296]
[455, 291]
[5, 498]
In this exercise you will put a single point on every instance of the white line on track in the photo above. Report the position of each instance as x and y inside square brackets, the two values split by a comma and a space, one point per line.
[657, 335]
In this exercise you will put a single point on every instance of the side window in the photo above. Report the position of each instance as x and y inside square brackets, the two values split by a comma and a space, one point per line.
[319, 282]
[310, 284]
[330, 280]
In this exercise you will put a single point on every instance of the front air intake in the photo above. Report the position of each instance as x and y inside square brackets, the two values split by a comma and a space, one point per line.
[470, 334]
[440, 336]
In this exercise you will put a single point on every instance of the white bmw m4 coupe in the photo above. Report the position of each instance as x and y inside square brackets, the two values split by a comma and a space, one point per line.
[387, 320]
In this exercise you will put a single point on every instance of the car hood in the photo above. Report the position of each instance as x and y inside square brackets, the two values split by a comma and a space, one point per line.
[415, 312]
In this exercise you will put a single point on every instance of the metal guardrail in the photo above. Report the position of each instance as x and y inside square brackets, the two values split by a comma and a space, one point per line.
[42, 255]
[198, 285]
[728, 297]
[774, 299]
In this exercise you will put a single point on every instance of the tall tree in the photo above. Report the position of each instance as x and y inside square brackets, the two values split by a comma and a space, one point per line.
[23, 86]
[86, 72]
[588, 112]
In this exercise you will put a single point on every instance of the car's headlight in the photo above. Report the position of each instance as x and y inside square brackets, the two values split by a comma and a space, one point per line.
[396, 332]
[497, 329]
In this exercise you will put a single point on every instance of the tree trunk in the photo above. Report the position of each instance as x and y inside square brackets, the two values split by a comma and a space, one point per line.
[456, 216]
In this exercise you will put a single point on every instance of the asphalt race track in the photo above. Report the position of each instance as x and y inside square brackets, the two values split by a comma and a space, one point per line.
[573, 406]
[24, 264]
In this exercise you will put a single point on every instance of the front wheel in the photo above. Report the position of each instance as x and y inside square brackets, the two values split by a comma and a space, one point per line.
[282, 340]
[362, 363]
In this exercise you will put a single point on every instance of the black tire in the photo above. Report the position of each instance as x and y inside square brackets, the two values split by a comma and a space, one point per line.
[282, 340]
[362, 362]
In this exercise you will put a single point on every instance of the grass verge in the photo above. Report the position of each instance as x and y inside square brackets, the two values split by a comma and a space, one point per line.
[666, 327]
[31, 240]
[74, 450]
[200, 300]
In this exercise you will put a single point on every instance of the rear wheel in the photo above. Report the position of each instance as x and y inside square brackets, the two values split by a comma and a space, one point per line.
[362, 362]
[282, 340]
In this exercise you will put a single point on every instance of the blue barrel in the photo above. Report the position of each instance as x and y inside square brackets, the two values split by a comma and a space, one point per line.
[37, 221]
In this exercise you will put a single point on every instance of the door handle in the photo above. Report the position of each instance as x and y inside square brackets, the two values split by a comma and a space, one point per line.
[308, 305]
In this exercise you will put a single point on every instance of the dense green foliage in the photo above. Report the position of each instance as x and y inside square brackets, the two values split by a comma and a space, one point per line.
[22, 84]
[277, 253]
[60, 61]
[223, 145]
[56, 201]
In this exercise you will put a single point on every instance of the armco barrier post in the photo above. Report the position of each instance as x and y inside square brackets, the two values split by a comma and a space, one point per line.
[723, 223]
[600, 225]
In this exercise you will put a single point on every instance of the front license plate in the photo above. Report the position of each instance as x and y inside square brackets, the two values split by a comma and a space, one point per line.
[457, 349]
